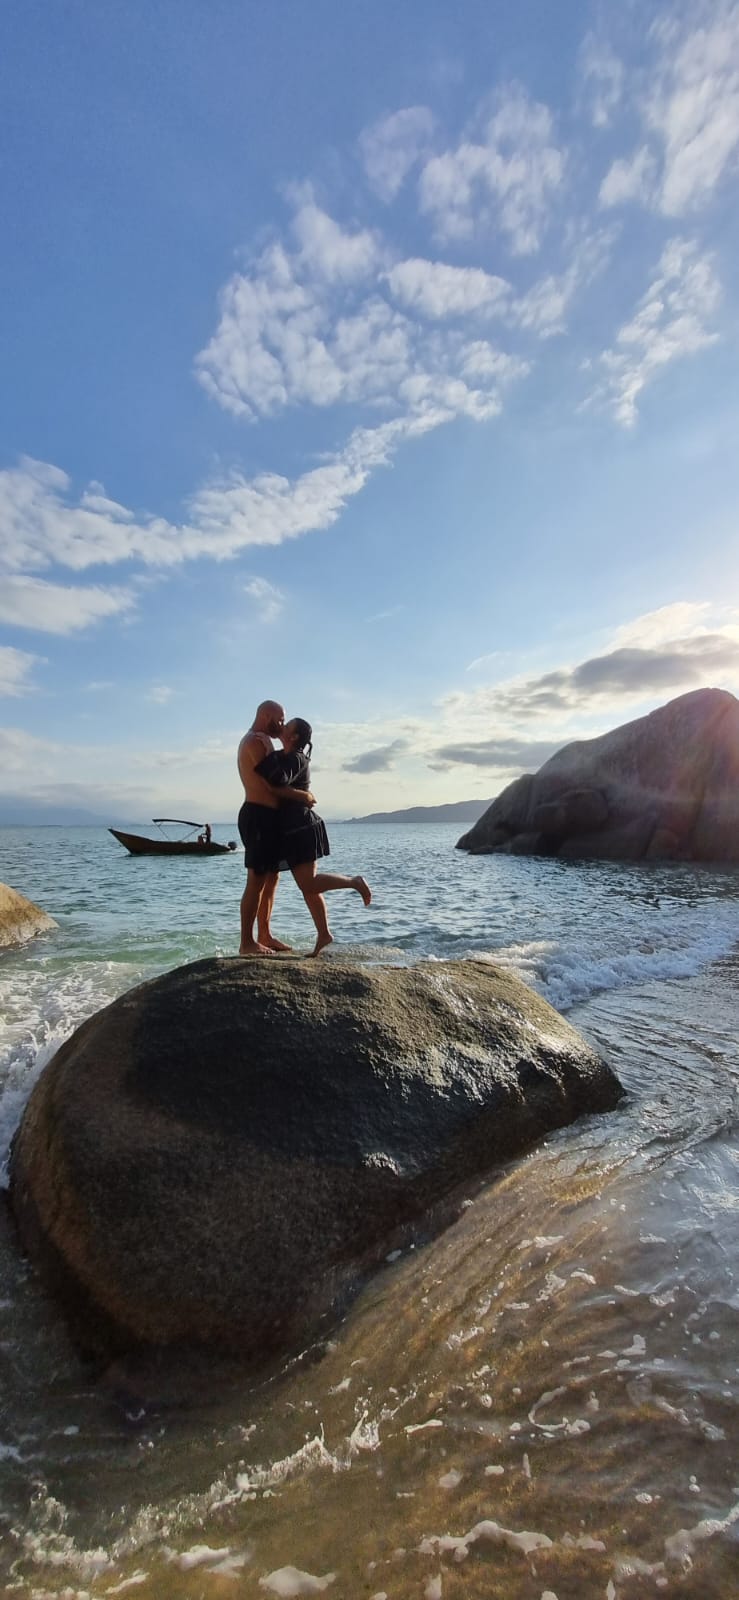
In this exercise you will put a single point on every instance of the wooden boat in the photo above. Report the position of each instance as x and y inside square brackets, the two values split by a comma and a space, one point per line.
[138, 844]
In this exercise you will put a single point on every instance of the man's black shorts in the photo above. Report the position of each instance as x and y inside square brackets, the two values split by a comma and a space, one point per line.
[259, 827]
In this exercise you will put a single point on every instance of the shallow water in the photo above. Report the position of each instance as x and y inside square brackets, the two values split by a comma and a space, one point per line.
[540, 1402]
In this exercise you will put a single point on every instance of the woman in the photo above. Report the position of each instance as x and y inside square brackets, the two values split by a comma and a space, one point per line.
[303, 835]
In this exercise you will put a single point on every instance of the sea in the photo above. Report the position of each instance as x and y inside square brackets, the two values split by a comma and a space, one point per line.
[538, 1404]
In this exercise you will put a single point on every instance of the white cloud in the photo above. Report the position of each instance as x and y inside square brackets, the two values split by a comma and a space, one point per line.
[268, 600]
[603, 76]
[287, 337]
[41, 526]
[670, 322]
[629, 179]
[507, 178]
[52, 608]
[693, 108]
[24, 753]
[437, 290]
[687, 100]
[15, 670]
[391, 147]
[682, 619]
[159, 694]
[326, 249]
[544, 307]
[46, 525]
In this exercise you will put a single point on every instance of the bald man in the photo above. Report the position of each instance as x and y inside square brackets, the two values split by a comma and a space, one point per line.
[259, 827]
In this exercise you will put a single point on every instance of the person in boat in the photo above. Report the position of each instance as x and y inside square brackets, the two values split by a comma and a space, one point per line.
[205, 836]
[302, 833]
[260, 831]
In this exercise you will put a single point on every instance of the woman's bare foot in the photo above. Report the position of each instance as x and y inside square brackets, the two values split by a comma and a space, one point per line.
[362, 887]
[254, 949]
[270, 943]
[321, 942]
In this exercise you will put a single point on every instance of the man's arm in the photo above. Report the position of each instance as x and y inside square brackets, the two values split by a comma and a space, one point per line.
[281, 771]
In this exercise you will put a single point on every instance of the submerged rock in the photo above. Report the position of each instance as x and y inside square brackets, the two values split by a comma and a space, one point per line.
[20, 919]
[218, 1155]
[665, 788]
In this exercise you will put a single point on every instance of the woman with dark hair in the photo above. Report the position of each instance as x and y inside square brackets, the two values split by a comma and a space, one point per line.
[303, 836]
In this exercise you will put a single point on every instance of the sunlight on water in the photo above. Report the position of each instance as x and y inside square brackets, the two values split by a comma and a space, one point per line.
[542, 1401]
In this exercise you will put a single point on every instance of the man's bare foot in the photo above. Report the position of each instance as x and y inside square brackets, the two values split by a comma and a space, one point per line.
[362, 887]
[321, 942]
[270, 943]
[254, 949]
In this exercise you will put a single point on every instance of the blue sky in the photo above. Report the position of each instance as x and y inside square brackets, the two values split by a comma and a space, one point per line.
[378, 359]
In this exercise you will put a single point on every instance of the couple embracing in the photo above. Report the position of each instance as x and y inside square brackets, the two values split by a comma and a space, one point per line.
[280, 828]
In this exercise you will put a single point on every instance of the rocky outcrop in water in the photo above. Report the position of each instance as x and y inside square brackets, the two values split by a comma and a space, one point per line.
[218, 1156]
[20, 919]
[662, 788]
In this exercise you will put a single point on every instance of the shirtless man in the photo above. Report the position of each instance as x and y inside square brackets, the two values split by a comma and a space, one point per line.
[260, 831]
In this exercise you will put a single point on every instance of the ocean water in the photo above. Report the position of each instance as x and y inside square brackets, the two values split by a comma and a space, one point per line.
[540, 1403]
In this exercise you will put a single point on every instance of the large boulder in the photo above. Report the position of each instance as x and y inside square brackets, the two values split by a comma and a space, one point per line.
[217, 1156]
[20, 919]
[665, 787]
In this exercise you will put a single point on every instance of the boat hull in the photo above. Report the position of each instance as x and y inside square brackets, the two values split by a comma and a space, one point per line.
[138, 845]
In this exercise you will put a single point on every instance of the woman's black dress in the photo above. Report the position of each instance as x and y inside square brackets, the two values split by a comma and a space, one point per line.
[303, 835]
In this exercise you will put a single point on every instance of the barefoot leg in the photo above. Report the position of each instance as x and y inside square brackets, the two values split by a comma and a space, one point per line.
[322, 941]
[265, 935]
[249, 905]
[305, 877]
[362, 887]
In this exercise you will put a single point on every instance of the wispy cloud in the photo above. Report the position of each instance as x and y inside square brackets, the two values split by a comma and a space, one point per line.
[671, 321]
[268, 600]
[384, 616]
[506, 176]
[27, 602]
[688, 105]
[603, 78]
[16, 667]
[160, 694]
[629, 178]
[391, 147]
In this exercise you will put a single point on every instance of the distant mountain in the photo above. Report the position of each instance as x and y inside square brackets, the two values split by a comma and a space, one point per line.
[457, 811]
[20, 811]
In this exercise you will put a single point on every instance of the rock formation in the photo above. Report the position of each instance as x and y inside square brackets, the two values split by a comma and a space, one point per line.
[662, 788]
[20, 919]
[219, 1155]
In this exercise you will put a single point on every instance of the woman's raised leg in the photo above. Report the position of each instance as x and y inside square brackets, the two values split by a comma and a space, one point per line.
[324, 881]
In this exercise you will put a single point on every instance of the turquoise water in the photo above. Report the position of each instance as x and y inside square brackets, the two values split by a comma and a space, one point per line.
[575, 1332]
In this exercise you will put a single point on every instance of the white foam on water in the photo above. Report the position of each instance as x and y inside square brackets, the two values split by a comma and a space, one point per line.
[200, 1555]
[680, 1546]
[40, 1008]
[491, 1533]
[433, 1589]
[677, 945]
[128, 1583]
[290, 1581]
